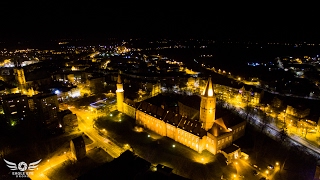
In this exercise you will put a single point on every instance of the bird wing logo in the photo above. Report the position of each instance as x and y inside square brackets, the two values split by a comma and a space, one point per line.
[11, 165]
[22, 166]
[33, 165]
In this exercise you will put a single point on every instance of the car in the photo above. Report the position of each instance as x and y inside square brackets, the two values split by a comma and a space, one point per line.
[263, 178]
[255, 172]
[270, 167]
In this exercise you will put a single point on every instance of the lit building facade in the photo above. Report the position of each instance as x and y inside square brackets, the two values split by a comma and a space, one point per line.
[202, 132]
[120, 94]
[46, 106]
[15, 107]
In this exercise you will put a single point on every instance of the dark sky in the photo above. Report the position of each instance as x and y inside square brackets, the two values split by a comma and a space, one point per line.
[88, 20]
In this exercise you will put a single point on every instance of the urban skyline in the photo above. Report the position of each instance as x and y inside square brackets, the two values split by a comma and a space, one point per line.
[105, 91]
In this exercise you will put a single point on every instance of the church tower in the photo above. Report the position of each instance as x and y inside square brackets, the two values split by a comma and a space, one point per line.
[120, 94]
[208, 106]
[20, 78]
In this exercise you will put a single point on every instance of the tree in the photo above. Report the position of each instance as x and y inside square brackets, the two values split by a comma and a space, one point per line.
[283, 135]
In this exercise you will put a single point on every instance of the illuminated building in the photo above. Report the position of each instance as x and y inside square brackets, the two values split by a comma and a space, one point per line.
[69, 121]
[120, 94]
[208, 106]
[15, 107]
[19, 76]
[205, 133]
[46, 106]
[78, 148]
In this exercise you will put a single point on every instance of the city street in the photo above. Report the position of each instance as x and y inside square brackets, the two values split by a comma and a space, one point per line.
[86, 125]
[99, 137]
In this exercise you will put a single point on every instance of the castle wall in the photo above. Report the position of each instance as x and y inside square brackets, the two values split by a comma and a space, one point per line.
[188, 139]
[129, 110]
[238, 130]
[152, 123]
[171, 131]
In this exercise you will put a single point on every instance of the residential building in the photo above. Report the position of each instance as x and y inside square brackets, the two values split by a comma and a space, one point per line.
[15, 107]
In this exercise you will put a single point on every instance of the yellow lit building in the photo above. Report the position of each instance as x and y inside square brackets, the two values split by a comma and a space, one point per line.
[199, 129]
[120, 94]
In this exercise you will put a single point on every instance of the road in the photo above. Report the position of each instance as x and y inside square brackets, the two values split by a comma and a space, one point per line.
[98, 136]
[245, 170]
[86, 125]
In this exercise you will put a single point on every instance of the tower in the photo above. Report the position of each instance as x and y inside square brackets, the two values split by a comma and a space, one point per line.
[19, 75]
[208, 106]
[120, 95]
[20, 78]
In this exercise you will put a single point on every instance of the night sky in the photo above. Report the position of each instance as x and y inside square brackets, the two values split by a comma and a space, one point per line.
[88, 20]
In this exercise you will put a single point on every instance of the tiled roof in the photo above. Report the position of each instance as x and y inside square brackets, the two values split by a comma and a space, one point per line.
[192, 126]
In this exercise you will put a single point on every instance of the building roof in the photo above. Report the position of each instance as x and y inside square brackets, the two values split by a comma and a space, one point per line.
[192, 101]
[43, 95]
[209, 91]
[119, 79]
[13, 96]
[175, 119]
[131, 102]
[230, 149]
[78, 141]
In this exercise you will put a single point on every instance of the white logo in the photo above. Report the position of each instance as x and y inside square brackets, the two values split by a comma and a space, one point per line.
[22, 166]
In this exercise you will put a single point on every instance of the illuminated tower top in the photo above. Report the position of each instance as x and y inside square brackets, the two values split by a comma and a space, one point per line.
[208, 91]
[119, 79]
[208, 106]
[120, 94]
[119, 84]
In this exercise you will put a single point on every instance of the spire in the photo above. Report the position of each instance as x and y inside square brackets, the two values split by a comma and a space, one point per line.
[119, 79]
[208, 91]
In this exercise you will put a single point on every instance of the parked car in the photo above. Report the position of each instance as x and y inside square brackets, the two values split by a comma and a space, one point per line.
[270, 167]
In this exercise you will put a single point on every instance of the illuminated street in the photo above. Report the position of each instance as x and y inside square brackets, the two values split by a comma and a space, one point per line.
[183, 92]
[86, 125]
